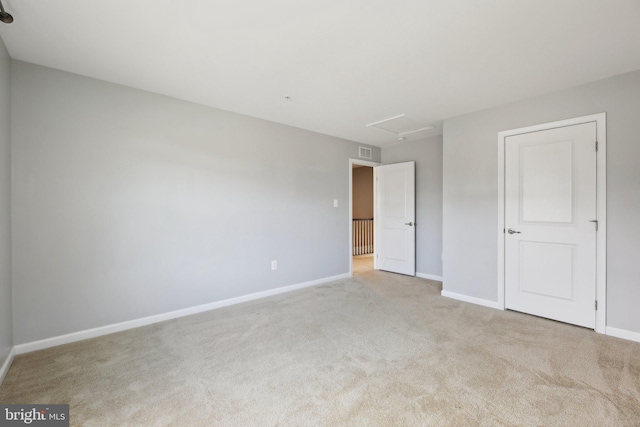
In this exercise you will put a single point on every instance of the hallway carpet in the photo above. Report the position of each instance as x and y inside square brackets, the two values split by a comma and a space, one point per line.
[377, 349]
[362, 264]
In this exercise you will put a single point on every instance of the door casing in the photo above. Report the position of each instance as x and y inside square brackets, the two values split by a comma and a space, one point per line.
[601, 200]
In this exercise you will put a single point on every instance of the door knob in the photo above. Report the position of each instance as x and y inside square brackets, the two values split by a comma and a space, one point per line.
[512, 231]
[410, 224]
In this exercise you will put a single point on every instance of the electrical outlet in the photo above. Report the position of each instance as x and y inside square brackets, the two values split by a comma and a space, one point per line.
[335, 203]
[274, 264]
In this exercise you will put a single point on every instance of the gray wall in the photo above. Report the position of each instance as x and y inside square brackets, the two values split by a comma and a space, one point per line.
[6, 335]
[362, 192]
[427, 153]
[470, 189]
[129, 204]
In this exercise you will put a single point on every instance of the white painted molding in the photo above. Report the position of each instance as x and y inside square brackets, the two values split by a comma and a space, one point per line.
[623, 333]
[123, 326]
[601, 183]
[472, 300]
[429, 276]
[7, 364]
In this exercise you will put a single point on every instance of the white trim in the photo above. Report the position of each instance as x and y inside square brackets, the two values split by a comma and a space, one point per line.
[601, 239]
[623, 333]
[386, 120]
[376, 244]
[123, 326]
[7, 364]
[601, 235]
[411, 132]
[501, 252]
[472, 300]
[429, 276]
[373, 165]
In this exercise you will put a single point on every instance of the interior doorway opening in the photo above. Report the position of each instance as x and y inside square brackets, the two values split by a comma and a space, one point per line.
[361, 216]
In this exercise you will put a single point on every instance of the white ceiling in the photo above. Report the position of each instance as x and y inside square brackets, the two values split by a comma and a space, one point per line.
[344, 63]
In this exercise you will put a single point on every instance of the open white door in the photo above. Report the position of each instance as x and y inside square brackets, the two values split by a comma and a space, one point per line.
[395, 218]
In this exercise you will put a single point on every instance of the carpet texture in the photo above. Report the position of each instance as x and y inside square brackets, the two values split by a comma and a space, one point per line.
[377, 349]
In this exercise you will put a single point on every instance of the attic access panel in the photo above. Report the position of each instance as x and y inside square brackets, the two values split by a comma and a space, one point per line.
[400, 125]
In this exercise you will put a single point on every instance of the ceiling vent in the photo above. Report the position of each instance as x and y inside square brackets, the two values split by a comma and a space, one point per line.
[364, 152]
[401, 126]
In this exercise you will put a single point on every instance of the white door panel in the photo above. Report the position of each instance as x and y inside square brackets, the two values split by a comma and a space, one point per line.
[395, 218]
[550, 203]
[547, 182]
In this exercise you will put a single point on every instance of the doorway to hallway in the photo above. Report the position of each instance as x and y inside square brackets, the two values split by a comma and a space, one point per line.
[361, 215]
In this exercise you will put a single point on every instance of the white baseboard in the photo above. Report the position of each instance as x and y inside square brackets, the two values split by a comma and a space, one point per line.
[7, 364]
[429, 276]
[123, 326]
[622, 333]
[473, 300]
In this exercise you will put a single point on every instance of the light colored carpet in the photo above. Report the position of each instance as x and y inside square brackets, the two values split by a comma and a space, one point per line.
[378, 349]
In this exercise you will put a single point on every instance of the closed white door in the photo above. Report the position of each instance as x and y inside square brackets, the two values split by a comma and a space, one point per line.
[550, 236]
[395, 218]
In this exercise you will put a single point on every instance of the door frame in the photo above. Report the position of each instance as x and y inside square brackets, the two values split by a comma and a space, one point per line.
[600, 120]
[372, 165]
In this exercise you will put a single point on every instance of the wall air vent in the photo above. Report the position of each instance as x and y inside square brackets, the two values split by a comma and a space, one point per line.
[364, 152]
[401, 126]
